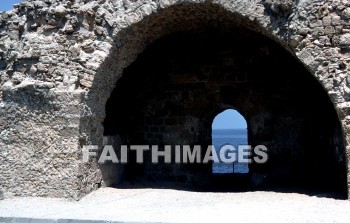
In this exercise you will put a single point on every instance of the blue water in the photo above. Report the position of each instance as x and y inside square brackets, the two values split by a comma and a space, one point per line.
[232, 137]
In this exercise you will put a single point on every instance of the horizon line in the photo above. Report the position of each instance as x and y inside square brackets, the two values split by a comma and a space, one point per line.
[227, 128]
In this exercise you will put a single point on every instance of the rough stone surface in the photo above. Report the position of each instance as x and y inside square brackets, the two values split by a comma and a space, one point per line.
[60, 61]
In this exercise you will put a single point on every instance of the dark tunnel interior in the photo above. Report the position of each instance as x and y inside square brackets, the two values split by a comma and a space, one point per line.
[172, 92]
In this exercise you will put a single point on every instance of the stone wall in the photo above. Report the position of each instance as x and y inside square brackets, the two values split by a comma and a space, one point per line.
[60, 61]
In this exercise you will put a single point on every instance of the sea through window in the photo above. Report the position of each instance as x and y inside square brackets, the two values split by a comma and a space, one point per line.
[229, 129]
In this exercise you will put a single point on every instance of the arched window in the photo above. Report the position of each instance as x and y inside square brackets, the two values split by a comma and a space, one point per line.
[229, 129]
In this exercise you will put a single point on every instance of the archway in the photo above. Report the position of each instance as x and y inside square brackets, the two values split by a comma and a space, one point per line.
[250, 74]
[229, 129]
[170, 94]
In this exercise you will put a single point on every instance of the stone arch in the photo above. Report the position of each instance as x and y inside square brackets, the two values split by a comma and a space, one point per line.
[135, 38]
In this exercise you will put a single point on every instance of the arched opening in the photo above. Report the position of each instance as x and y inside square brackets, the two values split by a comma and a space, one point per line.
[173, 90]
[229, 129]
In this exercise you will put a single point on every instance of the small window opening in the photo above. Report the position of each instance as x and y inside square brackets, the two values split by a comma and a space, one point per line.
[229, 130]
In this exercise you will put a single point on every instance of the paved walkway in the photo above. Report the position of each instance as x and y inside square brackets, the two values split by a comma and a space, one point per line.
[165, 205]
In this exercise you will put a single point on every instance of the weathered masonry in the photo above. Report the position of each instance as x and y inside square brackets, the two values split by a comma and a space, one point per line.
[88, 72]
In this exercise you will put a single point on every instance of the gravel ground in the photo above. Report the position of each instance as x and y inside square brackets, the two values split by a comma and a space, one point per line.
[166, 205]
